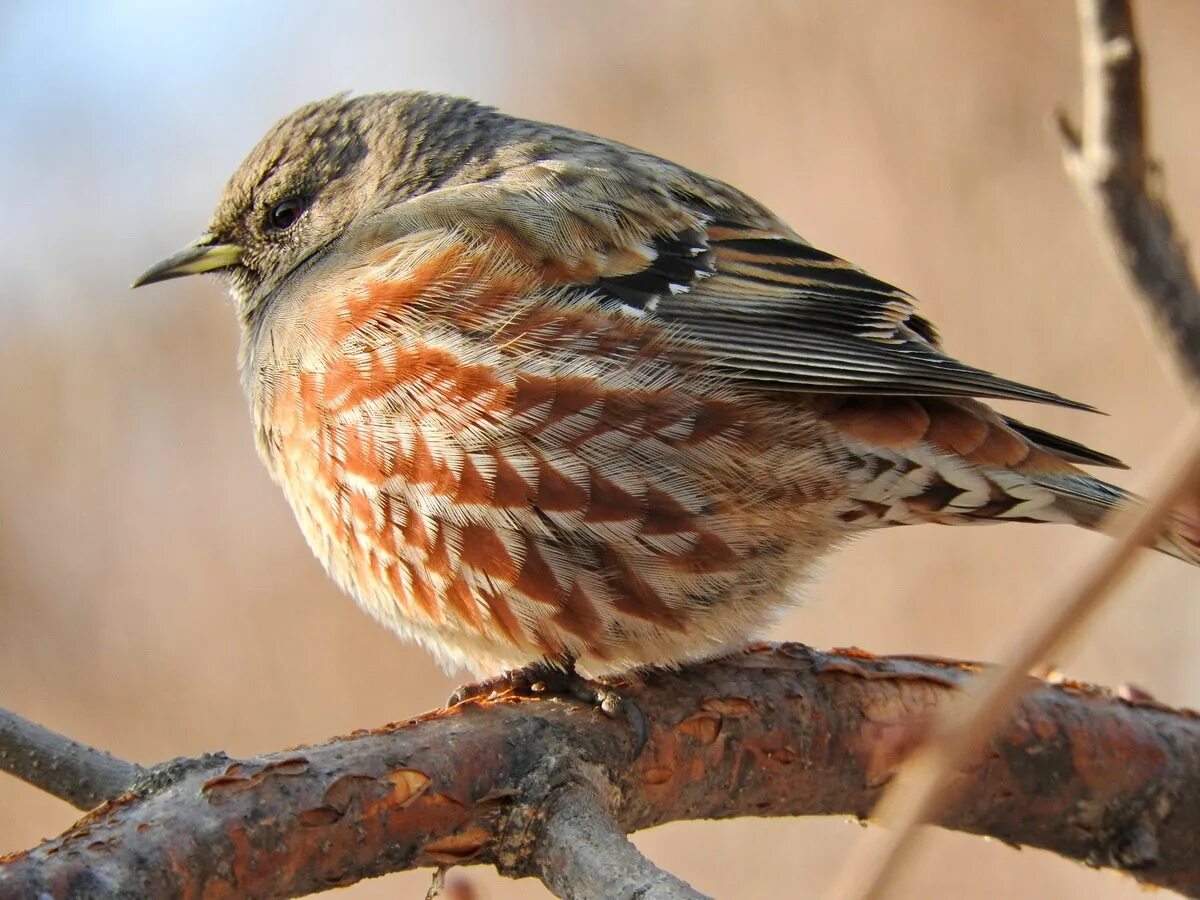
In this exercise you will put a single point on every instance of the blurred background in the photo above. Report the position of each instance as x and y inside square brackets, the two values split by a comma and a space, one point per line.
[156, 598]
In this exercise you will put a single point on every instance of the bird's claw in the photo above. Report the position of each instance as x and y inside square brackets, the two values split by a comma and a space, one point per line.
[548, 681]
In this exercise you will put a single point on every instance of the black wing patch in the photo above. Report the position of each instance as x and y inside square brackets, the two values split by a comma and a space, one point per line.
[682, 258]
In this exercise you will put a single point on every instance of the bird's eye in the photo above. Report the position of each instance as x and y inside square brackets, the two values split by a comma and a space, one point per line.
[283, 215]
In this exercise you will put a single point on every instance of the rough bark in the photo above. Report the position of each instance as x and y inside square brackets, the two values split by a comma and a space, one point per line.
[778, 730]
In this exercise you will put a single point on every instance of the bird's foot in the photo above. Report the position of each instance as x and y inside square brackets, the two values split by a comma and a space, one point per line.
[538, 679]
[561, 681]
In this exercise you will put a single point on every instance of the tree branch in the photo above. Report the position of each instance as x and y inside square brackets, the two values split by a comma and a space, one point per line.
[1122, 184]
[582, 854]
[526, 784]
[81, 775]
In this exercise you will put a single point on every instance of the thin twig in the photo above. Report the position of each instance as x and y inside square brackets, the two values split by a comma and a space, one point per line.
[1111, 165]
[81, 775]
[583, 855]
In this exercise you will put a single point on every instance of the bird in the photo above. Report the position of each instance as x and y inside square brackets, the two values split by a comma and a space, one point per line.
[539, 398]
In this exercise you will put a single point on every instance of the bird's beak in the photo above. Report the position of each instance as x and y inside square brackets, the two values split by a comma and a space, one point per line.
[201, 256]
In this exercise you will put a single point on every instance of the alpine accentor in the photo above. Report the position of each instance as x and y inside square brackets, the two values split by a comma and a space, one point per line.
[535, 395]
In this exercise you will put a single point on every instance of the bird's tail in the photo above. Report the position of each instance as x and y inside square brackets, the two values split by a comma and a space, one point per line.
[1090, 502]
[959, 462]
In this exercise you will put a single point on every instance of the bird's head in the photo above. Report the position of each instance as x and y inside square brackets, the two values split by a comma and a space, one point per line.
[320, 170]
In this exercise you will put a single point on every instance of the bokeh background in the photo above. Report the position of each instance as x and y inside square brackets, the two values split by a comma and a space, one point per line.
[156, 598]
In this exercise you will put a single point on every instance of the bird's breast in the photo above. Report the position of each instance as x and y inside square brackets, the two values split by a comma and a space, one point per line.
[526, 478]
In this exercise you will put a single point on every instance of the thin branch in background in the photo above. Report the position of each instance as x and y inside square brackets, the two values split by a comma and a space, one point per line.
[1111, 165]
[81, 775]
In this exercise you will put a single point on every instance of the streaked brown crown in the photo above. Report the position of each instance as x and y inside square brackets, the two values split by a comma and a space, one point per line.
[343, 159]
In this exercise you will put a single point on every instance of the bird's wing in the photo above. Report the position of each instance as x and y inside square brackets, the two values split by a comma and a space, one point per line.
[756, 300]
